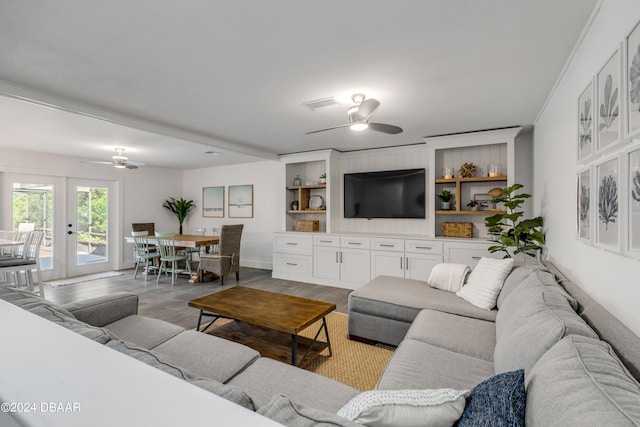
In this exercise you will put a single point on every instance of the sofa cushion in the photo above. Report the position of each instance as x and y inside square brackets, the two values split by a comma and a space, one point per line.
[410, 408]
[580, 381]
[266, 377]
[485, 282]
[207, 356]
[544, 319]
[515, 278]
[158, 361]
[497, 402]
[94, 333]
[473, 337]
[402, 299]
[144, 331]
[28, 300]
[282, 410]
[418, 365]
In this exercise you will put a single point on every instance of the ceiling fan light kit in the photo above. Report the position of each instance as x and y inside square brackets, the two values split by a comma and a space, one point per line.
[359, 115]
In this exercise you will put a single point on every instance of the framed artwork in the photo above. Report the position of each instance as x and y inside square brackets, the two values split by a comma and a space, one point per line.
[632, 73]
[634, 201]
[585, 123]
[607, 206]
[241, 201]
[213, 202]
[608, 118]
[584, 205]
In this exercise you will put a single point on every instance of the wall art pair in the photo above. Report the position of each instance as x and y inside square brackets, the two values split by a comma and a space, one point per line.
[240, 201]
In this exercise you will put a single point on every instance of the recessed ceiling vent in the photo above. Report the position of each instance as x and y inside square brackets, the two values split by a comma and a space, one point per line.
[320, 103]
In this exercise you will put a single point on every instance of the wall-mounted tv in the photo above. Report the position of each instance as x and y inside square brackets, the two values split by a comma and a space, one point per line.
[387, 194]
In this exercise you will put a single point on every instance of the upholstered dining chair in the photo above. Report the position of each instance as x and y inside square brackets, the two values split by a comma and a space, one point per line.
[228, 259]
[144, 253]
[169, 256]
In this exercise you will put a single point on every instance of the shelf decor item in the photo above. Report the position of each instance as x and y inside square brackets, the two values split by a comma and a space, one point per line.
[213, 202]
[316, 202]
[445, 199]
[457, 229]
[294, 205]
[495, 169]
[521, 235]
[297, 181]
[307, 225]
[468, 170]
[323, 178]
[447, 173]
[473, 204]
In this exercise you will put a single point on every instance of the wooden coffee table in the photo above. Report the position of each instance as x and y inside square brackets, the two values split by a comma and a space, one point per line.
[269, 322]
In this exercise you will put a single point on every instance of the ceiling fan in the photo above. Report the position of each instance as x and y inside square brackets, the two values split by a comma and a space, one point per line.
[359, 116]
[120, 161]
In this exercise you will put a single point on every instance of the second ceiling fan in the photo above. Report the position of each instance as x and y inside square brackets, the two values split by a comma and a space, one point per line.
[360, 114]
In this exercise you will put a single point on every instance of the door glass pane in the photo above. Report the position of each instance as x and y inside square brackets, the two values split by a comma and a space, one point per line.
[33, 203]
[91, 225]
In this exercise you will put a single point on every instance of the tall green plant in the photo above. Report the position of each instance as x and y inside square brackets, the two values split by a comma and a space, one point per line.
[518, 235]
[181, 208]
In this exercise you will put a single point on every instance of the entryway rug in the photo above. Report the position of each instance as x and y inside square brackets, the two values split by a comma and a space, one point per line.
[85, 278]
[353, 363]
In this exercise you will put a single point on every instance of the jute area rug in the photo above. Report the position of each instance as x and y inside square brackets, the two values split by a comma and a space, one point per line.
[353, 363]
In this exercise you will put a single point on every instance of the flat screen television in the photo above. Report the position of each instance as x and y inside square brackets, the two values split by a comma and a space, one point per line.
[387, 194]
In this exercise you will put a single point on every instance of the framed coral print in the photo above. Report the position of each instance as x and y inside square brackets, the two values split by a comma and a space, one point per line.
[213, 202]
[585, 123]
[608, 203]
[584, 205]
[608, 119]
[241, 201]
[634, 201]
[632, 76]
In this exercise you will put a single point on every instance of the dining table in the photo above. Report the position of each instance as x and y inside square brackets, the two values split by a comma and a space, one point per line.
[185, 241]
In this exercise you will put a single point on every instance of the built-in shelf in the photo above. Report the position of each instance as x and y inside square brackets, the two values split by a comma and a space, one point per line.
[308, 211]
[472, 179]
[298, 187]
[486, 212]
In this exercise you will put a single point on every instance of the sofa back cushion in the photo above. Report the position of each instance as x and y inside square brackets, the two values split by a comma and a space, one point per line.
[515, 278]
[543, 318]
[581, 381]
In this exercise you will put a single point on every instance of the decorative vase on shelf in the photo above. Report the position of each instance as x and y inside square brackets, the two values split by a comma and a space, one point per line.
[297, 181]
[445, 206]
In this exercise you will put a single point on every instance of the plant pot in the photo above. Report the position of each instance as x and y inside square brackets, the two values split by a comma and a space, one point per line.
[445, 206]
[323, 180]
[495, 237]
[474, 208]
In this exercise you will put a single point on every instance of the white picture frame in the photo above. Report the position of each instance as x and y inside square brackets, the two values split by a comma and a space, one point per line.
[632, 82]
[586, 137]
[608, 111]
[241, 201]
[585, 206]
[634, 201]
[607, 207]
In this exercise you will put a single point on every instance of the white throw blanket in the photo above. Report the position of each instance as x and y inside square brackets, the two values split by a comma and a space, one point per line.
[448, 277]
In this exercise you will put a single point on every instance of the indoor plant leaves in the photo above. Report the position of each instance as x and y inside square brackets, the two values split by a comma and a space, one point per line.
[180, 208]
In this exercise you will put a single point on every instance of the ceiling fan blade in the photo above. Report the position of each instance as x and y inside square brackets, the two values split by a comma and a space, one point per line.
[367, 108]
[322, 130]
[384, 128]
[130, 166]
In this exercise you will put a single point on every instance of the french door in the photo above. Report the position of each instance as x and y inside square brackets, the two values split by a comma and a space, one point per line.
[76, 215]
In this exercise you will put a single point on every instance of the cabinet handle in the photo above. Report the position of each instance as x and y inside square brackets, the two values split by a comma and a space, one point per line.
[340, 257]
[423, 247]
[337, 258]
[292, 244]
[354, 243]
[291, 263]
[325, 241]
[476, 257]
[385, 245]
[406, 263]
[400, 263]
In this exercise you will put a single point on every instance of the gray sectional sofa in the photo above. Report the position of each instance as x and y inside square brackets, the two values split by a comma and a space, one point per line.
[581, 365]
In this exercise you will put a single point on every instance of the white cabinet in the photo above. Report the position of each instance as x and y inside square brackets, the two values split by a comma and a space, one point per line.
[344, 259]
[387, 263]
[419, 266]
[467, 253]
[326, 257]
[292, 256]
[412, 259]
[354, 265]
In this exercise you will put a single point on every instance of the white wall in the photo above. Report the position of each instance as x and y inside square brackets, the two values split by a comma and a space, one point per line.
[141, 192]
[267, 178]
[612, 279]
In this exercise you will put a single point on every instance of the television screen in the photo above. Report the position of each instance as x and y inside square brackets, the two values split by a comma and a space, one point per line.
[388, 194]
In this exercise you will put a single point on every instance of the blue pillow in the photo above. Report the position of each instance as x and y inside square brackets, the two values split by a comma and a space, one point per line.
[496, 402]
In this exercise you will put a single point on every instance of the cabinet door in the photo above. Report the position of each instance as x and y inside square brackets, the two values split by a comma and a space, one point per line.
[326, 262]
[355, 266]
[418, 266]
[387, 263]
[467, 253]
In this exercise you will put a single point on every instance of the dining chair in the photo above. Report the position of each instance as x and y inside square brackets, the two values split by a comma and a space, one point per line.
[144, 253]
[228, 259]
[169, 255]
[26, 226]
[194, 231]
[27, 262]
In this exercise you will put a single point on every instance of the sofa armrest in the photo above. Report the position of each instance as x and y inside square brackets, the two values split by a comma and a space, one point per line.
[103, 310]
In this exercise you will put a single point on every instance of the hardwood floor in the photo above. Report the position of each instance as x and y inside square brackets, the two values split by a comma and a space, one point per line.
[162, 301]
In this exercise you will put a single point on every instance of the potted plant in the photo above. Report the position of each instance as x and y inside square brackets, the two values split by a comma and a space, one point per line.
[445, 197]
[522, 235]
[494, 233]
[473, 205]
[323, 178]
[181, 208]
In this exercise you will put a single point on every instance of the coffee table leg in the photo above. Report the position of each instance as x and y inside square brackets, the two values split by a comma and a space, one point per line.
[326, 333]
[294, 345]
[199, 321]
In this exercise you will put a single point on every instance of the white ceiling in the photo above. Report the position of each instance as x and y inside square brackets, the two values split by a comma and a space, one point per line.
[175, 79]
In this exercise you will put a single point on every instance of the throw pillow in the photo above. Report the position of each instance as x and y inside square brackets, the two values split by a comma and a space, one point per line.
[448, 277]
[485, 282]
[496, 402]
[434, 408]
